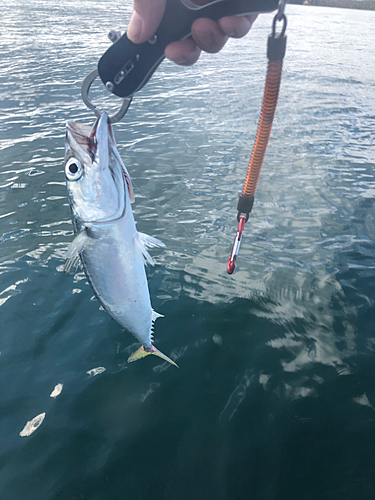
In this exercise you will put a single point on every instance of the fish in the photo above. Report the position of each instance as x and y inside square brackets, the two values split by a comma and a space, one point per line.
[113, 254]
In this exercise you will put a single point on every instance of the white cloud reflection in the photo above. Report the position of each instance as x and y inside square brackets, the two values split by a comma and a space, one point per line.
[32, 425]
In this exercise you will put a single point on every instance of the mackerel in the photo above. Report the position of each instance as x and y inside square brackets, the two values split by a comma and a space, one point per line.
[112, 252]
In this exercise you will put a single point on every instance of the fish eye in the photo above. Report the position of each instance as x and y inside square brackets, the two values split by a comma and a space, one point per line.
[73, 170]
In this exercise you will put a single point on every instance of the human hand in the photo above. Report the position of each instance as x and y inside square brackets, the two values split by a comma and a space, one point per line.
[206, 34]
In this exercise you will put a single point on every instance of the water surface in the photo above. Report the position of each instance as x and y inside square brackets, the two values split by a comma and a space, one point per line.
[275, 395]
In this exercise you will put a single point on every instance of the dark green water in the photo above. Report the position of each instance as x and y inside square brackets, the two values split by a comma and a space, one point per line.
[275, 395]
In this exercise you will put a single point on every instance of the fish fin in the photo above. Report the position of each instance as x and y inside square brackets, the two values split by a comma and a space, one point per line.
[71, 264]
[146, 256]
[150, 241]
[75, 248]
[142, 353]
[155, 316]
[145, 241]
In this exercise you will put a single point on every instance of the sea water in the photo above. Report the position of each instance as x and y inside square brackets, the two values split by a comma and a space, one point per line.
[275, 395]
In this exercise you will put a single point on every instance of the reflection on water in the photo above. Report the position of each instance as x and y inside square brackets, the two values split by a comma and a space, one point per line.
[96, 371]
[56, 391]
[276, 361]
[33, 425]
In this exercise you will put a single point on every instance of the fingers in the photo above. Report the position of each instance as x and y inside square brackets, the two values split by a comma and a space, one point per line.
[206, 34]
[237, 27]
[145, 19]
[184, 53]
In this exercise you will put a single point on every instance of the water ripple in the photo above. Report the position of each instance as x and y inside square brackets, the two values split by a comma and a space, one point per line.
[284, 343]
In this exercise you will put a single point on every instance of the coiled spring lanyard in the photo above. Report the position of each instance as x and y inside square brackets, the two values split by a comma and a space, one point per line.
[275, 53]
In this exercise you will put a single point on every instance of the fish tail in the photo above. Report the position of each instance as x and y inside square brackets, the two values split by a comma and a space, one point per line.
[141, 353]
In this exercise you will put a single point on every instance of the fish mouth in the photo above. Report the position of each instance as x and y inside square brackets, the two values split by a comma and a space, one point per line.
[88, 138]
[103, 180]
[81, 133]
[81, 136]
[92, 145]
[102, 129]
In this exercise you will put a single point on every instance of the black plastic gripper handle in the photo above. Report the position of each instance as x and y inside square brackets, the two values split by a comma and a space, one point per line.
[126, 67]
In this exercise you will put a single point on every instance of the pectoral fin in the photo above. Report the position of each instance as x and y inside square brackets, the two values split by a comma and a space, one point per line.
[75, 248]
[142, 353]
[143, 242]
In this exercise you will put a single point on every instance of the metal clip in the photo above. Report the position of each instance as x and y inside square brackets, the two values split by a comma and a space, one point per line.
[114, 35]
[281, 10]
[87, 82]
[236, 245]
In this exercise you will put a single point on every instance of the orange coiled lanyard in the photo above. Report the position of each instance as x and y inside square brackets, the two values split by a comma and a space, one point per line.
[275, 53]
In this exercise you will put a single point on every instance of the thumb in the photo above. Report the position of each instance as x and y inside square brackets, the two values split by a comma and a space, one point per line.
[145, 19]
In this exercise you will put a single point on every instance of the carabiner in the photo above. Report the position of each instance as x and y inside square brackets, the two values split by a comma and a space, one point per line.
[87, 82]
[281, 10]
[236, 245]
